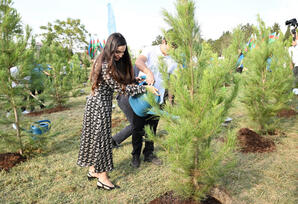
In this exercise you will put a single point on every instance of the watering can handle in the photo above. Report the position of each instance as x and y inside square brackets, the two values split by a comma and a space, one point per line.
[43, 121]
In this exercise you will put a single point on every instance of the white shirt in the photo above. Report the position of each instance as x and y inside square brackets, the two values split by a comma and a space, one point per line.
[293, 51]
[153, 53]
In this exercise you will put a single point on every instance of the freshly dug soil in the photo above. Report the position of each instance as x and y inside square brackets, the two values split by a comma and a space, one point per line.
[250, 141]
[8, 160]
[48, 111]
[286, 113]
[170, 198]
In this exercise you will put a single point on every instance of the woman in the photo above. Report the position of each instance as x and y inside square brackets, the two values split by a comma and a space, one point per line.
[111, 71]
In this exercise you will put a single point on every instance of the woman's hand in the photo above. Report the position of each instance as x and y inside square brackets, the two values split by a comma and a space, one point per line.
[152, 89]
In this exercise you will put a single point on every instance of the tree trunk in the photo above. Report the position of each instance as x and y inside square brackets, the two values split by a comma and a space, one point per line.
[17, 122]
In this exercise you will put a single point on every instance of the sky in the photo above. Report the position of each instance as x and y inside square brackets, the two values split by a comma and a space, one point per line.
[140, 21]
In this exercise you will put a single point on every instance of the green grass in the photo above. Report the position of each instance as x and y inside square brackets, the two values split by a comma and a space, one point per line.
[54, 177]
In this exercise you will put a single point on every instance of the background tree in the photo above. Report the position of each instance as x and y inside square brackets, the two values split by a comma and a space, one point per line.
[200, 107]
[15, 52]
[275, 28]
[221, 43]
[288, 38]
[247, 30]
[225, 39]
[268, 81]
[70, 34]
[59, 82]
[77, 71]
[158, 40]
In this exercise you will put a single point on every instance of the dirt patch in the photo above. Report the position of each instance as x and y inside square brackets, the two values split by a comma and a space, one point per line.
[286, 113]
[250, 141]
[48, 111]
[117, 121]
[9, 160]
[170, 198]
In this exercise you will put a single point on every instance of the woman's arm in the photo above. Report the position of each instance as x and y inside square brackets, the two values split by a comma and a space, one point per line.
[130, 89]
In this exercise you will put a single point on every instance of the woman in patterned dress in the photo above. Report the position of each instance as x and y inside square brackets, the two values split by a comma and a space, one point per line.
[112, 71]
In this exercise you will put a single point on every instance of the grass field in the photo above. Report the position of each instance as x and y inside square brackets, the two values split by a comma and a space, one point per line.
[54, 177]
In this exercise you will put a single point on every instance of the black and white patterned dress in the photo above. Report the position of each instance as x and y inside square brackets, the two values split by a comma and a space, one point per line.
[96, 140]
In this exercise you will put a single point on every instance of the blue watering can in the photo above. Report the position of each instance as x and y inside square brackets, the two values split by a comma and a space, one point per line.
[40, 127]
[139, 104]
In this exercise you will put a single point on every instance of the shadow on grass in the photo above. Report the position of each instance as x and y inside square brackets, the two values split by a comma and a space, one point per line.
[124, 169]
[289, 123]
[62, 146]
[245, 176]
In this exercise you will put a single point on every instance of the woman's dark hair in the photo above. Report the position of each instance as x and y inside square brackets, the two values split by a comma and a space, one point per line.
[120, 70]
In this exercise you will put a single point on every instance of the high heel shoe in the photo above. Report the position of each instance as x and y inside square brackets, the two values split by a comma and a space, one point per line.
[90, 177]
[106, 187]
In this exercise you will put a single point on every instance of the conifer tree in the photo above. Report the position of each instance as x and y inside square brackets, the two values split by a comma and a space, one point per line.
[77, 71]
[14, 41]
[201, 104]
[269, 79]
[59, 82]
[85, 59]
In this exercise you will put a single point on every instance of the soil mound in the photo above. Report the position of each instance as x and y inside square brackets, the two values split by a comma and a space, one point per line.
[170, 198]
[286, 113]
[8, 160]
[48, 111]
[250, 141]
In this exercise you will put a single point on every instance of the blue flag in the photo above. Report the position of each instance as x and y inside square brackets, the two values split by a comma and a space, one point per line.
[111, 20]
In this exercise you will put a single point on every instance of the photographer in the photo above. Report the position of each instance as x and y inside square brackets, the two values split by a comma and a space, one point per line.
[293, 50]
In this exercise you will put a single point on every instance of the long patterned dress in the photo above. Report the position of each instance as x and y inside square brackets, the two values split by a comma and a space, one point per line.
[96, 140]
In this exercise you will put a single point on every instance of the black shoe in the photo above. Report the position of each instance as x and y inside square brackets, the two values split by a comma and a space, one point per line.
[153, 159]
[90, 177]
[115, 144]
[101, 185]
[135, 162]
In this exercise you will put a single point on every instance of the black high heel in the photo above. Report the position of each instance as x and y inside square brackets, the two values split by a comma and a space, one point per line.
[90, 177]
[106, 187]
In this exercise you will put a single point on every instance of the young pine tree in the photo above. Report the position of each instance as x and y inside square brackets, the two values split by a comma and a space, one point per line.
[59, 82]
[14, 54]
[268, 81]
[77, 71]
[201, 103]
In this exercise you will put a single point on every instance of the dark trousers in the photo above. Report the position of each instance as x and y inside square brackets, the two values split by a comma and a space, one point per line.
[138, 132]
[31, 100]
[295, 72]
[135, 128]
[123, 103]
[123, 134]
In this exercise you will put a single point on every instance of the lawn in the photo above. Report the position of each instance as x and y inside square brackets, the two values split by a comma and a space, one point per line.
[54, 177]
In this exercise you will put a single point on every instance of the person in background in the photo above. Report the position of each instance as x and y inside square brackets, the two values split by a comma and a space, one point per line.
[36, 84]
[293, 51]
[239, 64]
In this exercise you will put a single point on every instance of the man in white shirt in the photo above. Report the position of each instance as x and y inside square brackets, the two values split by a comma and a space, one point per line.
[293, 51]
[148, 64]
